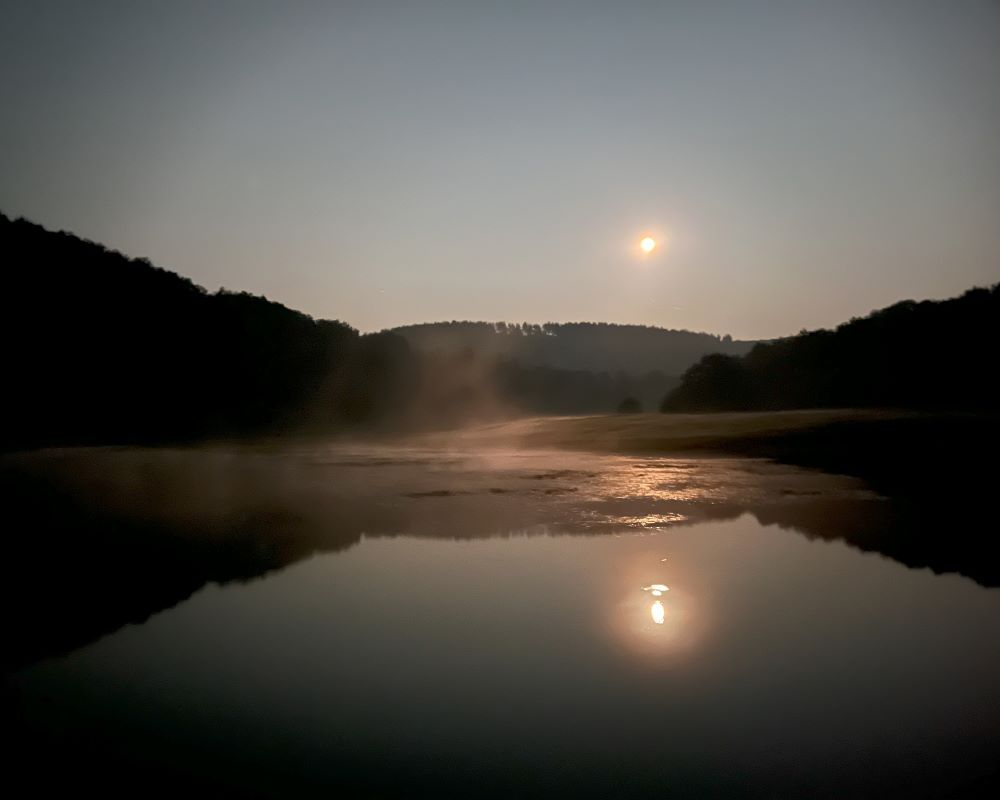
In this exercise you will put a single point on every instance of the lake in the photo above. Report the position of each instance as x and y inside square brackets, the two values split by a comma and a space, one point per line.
[319, 620]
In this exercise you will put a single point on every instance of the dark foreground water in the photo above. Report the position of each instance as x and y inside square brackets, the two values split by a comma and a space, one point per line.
[401, 623]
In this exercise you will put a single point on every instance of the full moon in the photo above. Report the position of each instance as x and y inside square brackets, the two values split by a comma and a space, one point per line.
[648, 244]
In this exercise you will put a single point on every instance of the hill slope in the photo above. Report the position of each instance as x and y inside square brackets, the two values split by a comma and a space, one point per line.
[101, 348]
[595, 347]
[926, 355]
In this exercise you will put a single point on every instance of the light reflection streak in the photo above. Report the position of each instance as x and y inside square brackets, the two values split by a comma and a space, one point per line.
[649, 621]
[657, 611]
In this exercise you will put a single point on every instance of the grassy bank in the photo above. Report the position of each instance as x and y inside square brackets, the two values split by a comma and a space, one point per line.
[897, 452]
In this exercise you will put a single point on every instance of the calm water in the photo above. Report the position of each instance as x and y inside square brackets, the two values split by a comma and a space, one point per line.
[378, 623]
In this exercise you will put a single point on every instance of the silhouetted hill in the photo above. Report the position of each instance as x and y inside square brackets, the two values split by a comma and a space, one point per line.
[101, 348]
[937, 355]
[590, 346]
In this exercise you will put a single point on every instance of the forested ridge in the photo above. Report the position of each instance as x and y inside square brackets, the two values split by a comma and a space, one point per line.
[591, 346]
[99, 347]
[929, 355]
[102, 348]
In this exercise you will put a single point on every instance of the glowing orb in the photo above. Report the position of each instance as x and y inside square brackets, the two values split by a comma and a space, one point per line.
[648, 244]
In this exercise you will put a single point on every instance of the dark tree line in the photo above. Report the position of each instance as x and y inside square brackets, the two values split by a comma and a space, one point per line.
[931, 355]
[99, 348]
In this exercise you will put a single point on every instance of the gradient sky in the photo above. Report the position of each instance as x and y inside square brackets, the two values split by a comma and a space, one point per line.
[386, 163]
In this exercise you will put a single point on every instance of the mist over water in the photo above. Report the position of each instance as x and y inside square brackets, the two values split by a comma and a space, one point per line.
[369, 620]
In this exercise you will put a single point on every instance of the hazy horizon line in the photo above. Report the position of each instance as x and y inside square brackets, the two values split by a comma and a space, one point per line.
[440, 320]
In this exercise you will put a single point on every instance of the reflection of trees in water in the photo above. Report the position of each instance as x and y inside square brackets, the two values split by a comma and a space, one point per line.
[939, 533]
[93, 546]
[82, 572]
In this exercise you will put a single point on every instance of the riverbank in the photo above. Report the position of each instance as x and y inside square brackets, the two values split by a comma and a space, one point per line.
[897, 452]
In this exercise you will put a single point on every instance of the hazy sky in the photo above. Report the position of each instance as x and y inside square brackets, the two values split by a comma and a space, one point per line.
[385, 163]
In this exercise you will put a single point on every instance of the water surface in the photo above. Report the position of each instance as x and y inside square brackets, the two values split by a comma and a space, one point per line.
[400, 623]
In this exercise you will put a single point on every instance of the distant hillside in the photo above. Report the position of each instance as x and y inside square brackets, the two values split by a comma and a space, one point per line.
[938, 355]
[591, 346]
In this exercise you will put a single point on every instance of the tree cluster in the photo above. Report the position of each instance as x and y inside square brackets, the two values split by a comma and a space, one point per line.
[931, 355]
